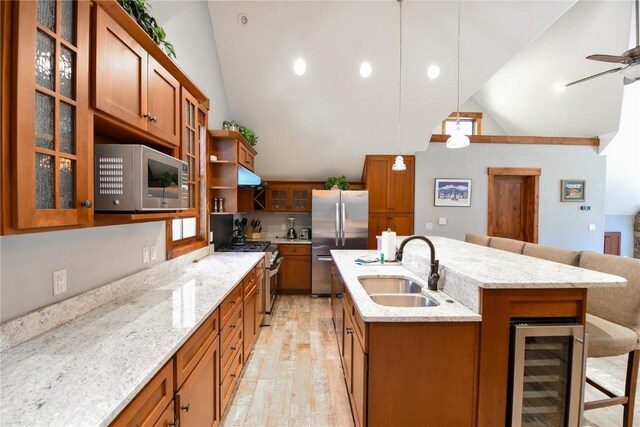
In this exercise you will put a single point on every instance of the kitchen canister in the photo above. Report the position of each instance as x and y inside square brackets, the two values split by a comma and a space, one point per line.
[388, 245]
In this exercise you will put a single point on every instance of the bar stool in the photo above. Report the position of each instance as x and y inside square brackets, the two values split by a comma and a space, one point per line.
[613, 325]
[478, 239]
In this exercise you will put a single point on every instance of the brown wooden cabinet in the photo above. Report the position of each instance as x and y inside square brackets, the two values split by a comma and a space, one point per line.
[197, 401]
[250, 307]
[388, 364]
[51, 145]
[130, 85]
[289, 198]
[295, 270]
[401, 223]
[391, 196]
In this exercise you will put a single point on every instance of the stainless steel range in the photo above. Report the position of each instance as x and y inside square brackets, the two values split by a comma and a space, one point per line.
[272, 260]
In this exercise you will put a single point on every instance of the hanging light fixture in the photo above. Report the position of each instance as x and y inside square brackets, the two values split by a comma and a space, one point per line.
[399, 164]
[458, 139]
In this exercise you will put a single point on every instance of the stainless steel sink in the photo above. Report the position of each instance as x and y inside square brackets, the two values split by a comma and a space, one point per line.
[390, 285]
[403, 300]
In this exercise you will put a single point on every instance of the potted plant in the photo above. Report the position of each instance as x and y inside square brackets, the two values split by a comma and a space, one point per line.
[337, 183]
[140, 11]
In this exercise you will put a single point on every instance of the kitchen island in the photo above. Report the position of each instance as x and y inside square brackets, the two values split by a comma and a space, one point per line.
[410, 366]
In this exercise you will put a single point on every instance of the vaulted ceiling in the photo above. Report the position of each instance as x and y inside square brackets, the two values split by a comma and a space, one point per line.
[324, 122]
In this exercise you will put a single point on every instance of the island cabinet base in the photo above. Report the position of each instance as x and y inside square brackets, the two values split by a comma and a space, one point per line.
[410, 374]
[498, 307]
[422, 374]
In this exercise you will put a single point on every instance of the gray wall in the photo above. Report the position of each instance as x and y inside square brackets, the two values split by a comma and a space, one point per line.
[623, 224]
[560, 224]
[99, 255]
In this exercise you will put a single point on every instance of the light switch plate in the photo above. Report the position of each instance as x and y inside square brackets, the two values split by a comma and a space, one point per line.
[592, 227]
[154, 254]
[145, 254]
[442, 221]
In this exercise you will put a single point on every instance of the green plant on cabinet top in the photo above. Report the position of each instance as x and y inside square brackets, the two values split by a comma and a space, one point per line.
[140, 11]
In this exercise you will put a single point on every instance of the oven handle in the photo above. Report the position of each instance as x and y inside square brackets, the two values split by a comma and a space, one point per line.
[274, 271]
[325, 258]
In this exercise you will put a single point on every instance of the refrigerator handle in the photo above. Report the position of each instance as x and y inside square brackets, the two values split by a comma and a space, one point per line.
[344, 222]
[337, 222]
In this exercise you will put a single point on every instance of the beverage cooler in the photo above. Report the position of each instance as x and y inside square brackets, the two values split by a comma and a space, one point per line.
[548, 362]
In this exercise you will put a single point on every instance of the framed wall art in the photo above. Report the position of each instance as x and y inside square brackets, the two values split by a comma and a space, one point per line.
[452, 192]
[572, 190]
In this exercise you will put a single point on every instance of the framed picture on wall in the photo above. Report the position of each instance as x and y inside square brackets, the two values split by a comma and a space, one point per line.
[573, 190]
[452, 192]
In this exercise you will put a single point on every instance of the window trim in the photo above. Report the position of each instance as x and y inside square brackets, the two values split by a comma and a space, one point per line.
[475, 117]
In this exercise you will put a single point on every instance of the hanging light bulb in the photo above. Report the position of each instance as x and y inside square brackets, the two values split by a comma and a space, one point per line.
[458, 139]
[399, 163]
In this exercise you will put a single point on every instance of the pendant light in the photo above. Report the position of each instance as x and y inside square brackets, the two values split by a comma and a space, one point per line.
[458, 139]
[399, 163]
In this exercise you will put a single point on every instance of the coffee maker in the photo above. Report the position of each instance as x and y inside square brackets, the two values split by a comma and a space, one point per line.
[291, 232]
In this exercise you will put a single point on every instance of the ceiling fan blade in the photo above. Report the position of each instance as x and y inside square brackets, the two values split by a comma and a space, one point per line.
[594, 76]
[616, 59]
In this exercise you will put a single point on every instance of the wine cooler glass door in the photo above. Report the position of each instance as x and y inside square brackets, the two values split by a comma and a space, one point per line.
[547, 375]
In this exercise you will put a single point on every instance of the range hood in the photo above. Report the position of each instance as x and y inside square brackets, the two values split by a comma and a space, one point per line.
[248, 179]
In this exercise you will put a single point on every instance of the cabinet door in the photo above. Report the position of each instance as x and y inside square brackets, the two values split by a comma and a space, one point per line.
[190, 146]
[52, 134]
[249, 322]
[259, 299]
[197, 399]
[377, 182]
[278, 199]
[347, 348]
[359, 382]
[300, 199]
[402, 224]
[120, 85]
[378, 222]
[295, 273]
[401, 188]
[168, 418]
[163, 103]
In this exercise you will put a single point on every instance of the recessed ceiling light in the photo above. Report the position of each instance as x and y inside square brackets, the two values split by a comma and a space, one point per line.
[299, 66]
[433, 71]
[560, 87]
[365, 69]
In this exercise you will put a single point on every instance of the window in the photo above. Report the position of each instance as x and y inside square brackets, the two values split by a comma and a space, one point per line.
[471, 123]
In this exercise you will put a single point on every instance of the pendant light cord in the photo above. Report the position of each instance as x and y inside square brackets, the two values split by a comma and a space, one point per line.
[400, 88]
[458, 103]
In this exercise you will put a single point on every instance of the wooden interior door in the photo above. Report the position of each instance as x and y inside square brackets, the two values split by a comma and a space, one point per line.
[612, 242]
[513, 203]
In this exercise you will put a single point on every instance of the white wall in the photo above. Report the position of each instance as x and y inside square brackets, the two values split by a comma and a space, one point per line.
[560, 224]
[99, 255]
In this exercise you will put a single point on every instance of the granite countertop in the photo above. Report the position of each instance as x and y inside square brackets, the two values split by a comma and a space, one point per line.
[465, 268]
[87, 370]
[372, 312]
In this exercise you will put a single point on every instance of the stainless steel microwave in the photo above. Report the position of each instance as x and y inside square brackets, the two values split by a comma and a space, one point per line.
[132, 178]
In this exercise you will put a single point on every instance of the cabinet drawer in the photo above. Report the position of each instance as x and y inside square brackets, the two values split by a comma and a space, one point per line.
[229, 380]
[228, 306]
[249, 281]
[192, 350]
[228, 331]
[227, 355]
[151, 402]
[297, 249]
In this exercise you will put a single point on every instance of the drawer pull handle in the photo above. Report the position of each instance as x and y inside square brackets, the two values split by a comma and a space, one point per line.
[233, 348]
[174, 423]
[232, 375]
[186, 407]
[232, 326]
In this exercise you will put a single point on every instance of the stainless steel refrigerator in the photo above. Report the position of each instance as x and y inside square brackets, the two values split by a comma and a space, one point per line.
[339, 220]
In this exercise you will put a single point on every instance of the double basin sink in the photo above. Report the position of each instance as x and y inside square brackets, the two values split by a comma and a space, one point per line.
[396, 291]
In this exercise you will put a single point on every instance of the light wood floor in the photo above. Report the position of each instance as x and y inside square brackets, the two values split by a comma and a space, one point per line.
[294, 376]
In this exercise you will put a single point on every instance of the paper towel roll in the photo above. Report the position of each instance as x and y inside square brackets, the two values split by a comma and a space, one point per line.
[389, 244]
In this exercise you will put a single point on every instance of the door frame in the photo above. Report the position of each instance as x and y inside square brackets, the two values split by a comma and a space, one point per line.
[534, 175]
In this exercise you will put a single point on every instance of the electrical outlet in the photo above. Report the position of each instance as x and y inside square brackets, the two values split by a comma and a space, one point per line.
[145, 255]
[283, 227]
[429, 226]
[592, 227]
[154, 254]
[59, 282]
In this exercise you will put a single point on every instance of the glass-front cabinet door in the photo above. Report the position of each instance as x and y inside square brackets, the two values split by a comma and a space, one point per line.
[301, 199]
[52, 125]
[278, 199]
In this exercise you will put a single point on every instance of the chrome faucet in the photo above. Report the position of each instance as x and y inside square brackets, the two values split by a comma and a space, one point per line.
[433, 274]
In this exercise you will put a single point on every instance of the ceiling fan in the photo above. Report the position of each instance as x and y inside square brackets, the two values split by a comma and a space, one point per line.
[630, 61]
